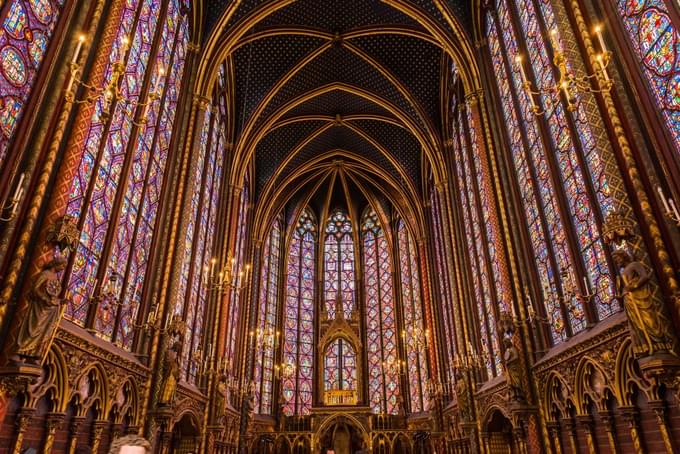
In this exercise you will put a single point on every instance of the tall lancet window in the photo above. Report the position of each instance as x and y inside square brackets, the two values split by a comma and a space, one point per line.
[446, 285]
[654, 38]
[381, 330]
[340, 366]
[237, 292]
[27, 28]
[298, 351]
[339, 264]
[267, 335]
[414, 334]
[198, 267]
[117, 189]
[564, 191]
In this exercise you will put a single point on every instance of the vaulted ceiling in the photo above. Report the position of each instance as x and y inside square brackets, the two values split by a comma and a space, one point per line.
[322, 85]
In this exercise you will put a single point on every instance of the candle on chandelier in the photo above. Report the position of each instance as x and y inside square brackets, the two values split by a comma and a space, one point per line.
[662, 196]
[600, 39]
[79, 46]
[603, 67]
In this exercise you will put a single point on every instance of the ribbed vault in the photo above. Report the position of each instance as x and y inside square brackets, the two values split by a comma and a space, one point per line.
[346, 91]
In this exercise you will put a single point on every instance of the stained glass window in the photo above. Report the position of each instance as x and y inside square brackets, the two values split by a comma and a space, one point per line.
[339, 264]
[27, 28]
[481, 275]
[267, 333]
[565, 236]
[236, 299]
[340, 366]
[298, 328]
[446, 286]
[655, 42]
[414, 334]
[384, 364]
[116, 192]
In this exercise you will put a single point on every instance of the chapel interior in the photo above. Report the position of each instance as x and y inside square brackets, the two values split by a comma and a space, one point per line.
[340, 226]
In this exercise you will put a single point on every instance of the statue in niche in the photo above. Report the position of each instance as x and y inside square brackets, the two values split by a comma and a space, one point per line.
[463, 397]
[513, 369]
[36, 327]
[401, 407]
[649, 327]
[170, 374]
[249, 406]
[221, 393]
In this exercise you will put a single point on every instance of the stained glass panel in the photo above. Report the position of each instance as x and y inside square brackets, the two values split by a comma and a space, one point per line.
[384, 364]
[299, 319]
[414, 334]
[26, 32]
[339, 264]
[655, 42]
[267, 334]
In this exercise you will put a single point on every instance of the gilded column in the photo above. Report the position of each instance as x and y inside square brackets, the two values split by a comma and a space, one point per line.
[21, 423]
[98, 431]
[608, 422]
[659, 409]
[570, 424]
[586, 424]
[554, 430]
[178, 220]
[52, 424]
[74, 426]
[632, 417]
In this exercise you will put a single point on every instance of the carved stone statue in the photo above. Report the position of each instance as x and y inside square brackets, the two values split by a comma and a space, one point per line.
[221, 393]
[170, 374]
[513, 369]
[649, 327]
[463, 397]
[401, 407]
[249, 407]
[38, 323]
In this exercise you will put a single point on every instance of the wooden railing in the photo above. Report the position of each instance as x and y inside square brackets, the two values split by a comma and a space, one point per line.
[340, 397]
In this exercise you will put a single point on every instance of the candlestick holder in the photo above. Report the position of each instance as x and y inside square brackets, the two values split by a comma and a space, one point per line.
[227, 278]
[112, 91]
[568, 82]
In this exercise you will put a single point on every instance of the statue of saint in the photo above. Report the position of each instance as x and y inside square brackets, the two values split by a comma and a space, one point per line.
[170, 374]
[38, 323]
[513, 369]
[221, 397]
[463, 397]
[649, 326]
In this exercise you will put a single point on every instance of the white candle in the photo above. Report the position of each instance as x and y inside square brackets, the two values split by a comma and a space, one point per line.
[79, 46]
[585, 284]
[598, 33]
[600, 59]
[662, 196]
[518, 59]
[675, 209]
[19, 189]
